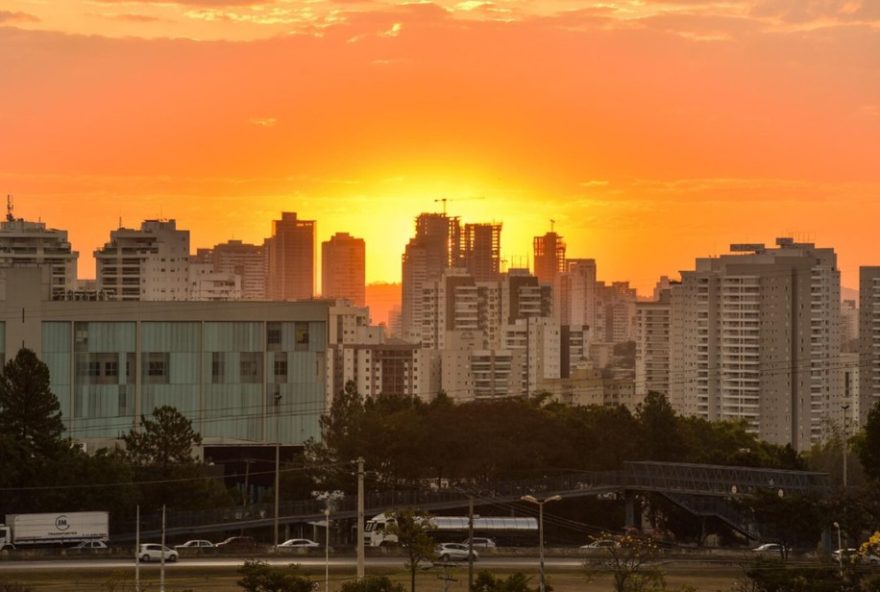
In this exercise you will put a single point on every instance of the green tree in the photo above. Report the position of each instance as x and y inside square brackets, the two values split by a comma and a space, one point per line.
[632, 564]
[868, 444]
[516, 582]
[166, 439]
[29, 412]
[258, 576]
[661, 438]
[413, 530]
[372, 584]
[789, 519]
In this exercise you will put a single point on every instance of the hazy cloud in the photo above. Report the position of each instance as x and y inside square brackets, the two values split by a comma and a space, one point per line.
[8, 16]
[802, 11]
[198, 3]
[264, 121]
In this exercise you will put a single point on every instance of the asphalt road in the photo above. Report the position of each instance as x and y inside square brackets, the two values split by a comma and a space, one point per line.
[306, 561]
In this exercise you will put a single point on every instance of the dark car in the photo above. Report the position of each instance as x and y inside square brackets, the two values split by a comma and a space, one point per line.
[238, 543]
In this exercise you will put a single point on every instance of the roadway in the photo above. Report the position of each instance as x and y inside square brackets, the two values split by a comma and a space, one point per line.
[305, 561]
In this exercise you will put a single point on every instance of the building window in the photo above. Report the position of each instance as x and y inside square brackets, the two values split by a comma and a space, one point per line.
[273, 336]
[111, 368]
[280, 370]
[156, 368]
[218, 368]
[301, 337]
[249, 368]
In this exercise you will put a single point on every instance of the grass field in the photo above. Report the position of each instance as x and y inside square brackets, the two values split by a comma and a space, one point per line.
[711, 578]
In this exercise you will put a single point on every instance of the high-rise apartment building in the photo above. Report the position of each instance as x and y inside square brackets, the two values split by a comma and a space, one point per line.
[615, 313]
[343, 268]
[481, 251]
[754, 336]
[549, 255]
[652, 345]
[869, 340]
[24, 243]
[150, 263]
[576, 293]
[290, 257]
[244, 260]
[434, 248]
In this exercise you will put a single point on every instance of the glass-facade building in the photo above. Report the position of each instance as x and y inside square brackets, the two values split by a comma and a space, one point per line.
[243, 372]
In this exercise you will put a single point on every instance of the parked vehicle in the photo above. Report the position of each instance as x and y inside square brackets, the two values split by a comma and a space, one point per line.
[90, 546]
[772, 549]
[453, 552]
[480, 543]
[53, 529]
[154, 552]
[237, 543]
[601, 544]
[299, 544]
[196, 544]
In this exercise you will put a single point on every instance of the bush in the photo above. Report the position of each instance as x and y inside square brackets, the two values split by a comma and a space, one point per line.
[258, 576]
[372, 584]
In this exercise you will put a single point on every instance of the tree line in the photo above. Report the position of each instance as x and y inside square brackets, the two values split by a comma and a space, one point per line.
[406, 442]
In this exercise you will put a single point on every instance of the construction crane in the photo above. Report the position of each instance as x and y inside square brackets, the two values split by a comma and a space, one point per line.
[443, 200]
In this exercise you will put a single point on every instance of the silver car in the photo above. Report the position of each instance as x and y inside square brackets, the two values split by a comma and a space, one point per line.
[153, 552]
[453, 552]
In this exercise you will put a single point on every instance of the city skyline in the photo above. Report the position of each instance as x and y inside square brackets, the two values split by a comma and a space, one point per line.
[650, 131]
[645, 284]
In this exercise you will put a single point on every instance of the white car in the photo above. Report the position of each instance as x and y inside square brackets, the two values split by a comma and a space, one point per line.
[153, 552]
[480, 543]
[601, 544]
[90, 546]
[453, 552]
[196, 544]
[774, 548]
[299, 544]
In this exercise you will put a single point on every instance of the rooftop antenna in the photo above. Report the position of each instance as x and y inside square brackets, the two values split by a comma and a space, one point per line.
[10, 208]
[552, 224]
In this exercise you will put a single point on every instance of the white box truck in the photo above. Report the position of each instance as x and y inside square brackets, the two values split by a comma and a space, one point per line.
[53, 529]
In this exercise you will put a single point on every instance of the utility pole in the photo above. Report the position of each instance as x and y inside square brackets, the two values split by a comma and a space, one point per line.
[277, 467]
[470, 543]
[845, 444]
[137, 549]
[162, 555]
[327, 546]
[360, 520]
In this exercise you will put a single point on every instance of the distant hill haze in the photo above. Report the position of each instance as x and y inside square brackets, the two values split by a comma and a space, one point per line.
[382, 298]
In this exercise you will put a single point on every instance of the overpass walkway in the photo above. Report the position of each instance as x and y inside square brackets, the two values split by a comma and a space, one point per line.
[703, 490]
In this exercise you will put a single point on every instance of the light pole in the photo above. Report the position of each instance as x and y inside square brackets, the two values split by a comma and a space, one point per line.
[845, 444]
[540, 503]
[277, 465]
[839, 549]
[329, 498]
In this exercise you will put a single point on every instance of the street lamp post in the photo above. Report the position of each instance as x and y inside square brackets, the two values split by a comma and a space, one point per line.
[839, 549]
[845, 443]
[540, 503]
[277, 467]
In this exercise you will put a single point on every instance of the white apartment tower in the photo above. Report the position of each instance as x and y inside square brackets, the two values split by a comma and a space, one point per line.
[754, 336]
[24, 243]
[151, 263]
[869, 340]
[244, 260]
[575, 293]
[652, 345]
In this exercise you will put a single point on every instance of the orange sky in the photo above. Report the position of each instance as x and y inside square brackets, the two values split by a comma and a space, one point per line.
[652, 131]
